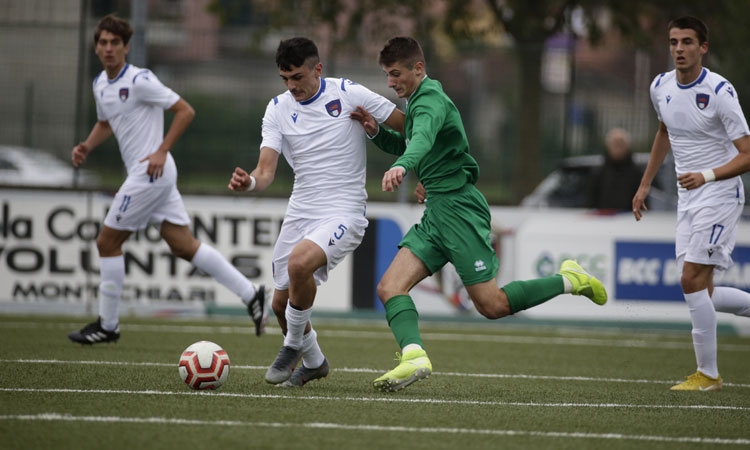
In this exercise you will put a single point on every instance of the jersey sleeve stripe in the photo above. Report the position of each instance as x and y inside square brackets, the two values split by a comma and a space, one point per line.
[658, 80]
[716, 91]
[145, 71]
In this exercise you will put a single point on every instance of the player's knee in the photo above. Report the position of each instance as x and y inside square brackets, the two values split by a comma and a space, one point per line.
[106, 247]
[690, 284]
[696, 279]
[494, 308]
[182, 252]
[493, 312]
[384, 292]
[298, 269]
[184, 248]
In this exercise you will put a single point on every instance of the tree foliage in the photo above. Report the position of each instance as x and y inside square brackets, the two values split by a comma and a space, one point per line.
[525, 25]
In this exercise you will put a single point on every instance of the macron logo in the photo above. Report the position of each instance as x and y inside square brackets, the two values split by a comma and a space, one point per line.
[294, 117]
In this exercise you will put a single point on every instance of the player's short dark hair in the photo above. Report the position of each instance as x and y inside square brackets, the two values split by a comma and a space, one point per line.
[115, 25]
[296, 52]
[404, 50]
[691, 23]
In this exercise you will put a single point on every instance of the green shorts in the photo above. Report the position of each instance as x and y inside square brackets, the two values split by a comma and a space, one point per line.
[455, 228]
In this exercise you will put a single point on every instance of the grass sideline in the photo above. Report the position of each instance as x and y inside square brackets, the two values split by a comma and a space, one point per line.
[495, 385]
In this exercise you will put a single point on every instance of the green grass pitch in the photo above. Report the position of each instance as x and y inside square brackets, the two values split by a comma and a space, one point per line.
[509, 384]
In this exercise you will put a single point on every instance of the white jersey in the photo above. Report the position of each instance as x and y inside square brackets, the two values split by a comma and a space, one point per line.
[133, 104]
[324, 147]
[703, 118]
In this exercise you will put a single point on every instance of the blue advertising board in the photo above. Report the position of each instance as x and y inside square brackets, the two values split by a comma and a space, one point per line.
[648, 271]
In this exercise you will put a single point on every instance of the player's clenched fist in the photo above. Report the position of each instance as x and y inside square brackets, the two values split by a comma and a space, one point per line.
[240, 180]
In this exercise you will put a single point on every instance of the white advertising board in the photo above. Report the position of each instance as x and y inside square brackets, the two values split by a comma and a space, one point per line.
[48, 254]
[49, 262]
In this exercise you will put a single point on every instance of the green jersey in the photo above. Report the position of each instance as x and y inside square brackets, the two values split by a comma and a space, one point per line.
[436, 148]
[455, 226]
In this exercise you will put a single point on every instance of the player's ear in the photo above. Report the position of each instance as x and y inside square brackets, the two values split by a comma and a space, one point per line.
[419, 68]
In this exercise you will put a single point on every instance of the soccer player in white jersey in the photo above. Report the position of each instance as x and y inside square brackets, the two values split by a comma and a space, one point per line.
[130, 104]
[310, 125]
[701, 120]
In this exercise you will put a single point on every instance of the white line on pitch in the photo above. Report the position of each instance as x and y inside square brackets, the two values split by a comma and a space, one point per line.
[657, 342]
[385, 399]
[366, 370]
[378, 428]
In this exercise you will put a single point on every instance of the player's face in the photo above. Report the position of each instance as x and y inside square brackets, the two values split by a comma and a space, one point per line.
[402, 80]
[303, 82]
[686, 52]
[111, 51]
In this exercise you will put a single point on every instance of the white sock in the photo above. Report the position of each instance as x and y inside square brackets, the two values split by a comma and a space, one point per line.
[209, 260]
[410, 347]
[703, 316]
[112, 270]
[567, 285]
[731, 300]
[312, 356]
[296, 321]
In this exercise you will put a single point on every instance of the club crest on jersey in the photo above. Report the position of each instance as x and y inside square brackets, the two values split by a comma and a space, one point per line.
[334, 108]
[701, 100]
[124, 92]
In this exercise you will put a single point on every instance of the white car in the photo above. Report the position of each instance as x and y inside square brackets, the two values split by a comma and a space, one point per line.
[23, 166]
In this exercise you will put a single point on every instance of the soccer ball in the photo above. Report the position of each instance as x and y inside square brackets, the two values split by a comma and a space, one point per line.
[204, 365]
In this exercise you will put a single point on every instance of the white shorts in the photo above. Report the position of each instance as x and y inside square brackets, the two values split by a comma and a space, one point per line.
[136, 205]
[707, 235]
[336, 236]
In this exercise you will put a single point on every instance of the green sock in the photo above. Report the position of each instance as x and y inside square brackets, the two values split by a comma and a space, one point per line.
[527, 294]
[403, 319]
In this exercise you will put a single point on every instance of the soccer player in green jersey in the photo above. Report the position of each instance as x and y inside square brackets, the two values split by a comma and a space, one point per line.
[455, 226]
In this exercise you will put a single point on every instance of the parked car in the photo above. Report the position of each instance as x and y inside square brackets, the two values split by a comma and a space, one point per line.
[23, 166]
[568, 185]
